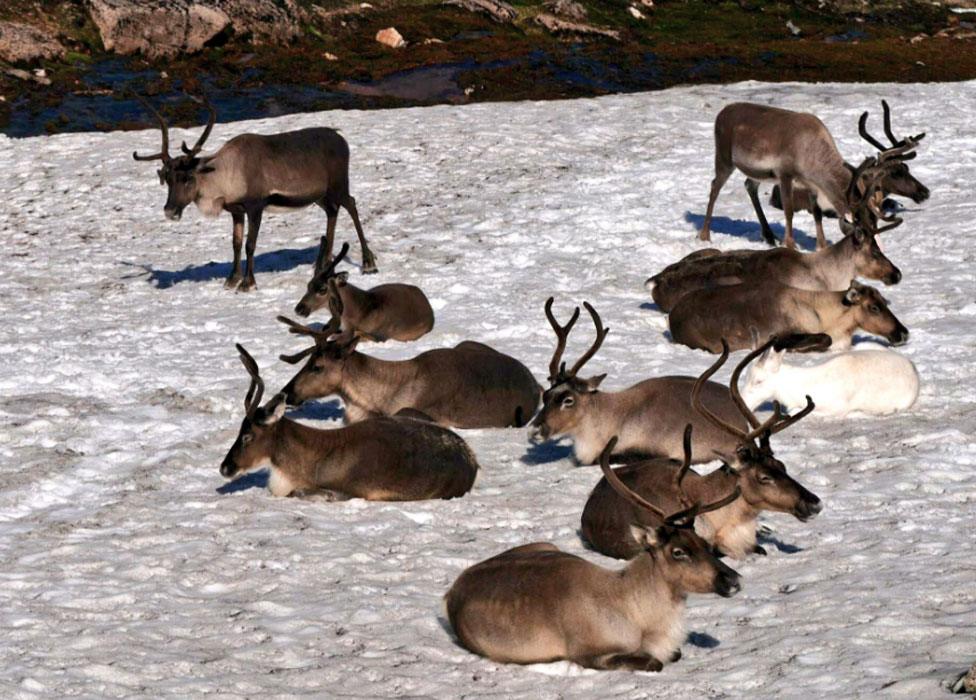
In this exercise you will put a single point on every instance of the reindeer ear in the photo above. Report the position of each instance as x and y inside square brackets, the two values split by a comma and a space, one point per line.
[346, 342]
[341, 278]
[594, 382]
[645, 536]
[853, 295]
[271, 412]
[859, 237]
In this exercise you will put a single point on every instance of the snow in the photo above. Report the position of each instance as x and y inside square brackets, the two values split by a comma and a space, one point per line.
[129, 567]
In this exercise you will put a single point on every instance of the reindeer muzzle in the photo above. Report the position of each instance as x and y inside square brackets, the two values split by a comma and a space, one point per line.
[899, 336]
[727, 583]
[228, 468]
[893, 278]
[302, 309]
[808, 509]
[920, 195]
[173, 214]
[539, 432]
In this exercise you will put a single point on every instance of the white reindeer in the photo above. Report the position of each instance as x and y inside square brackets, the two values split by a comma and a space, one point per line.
[873, 382]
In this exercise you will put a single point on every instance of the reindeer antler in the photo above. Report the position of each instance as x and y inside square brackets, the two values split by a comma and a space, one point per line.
[622, 488]
[562, 333]
[601, 334]
[206, 131]
[163, 154]
[328, 269]
[256, 391]
[696, 401]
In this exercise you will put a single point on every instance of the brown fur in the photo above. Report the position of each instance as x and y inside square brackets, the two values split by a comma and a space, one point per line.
[738, 313]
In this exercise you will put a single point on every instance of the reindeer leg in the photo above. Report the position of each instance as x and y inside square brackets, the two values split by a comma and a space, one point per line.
[786, 191]
[331, 210]
[629, 662]
[318, 494]
[253, 225]
[818, 219]
[752, 187]
[234, 278]
[369, 260]
[722, 173]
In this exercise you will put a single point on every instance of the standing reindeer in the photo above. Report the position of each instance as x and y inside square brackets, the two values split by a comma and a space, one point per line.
[898, 179]
[857, 254]
[254, 172]
[468, 386]
[385, 312]
[380, 459]
[768, 143]
[536, 603]
[647, 417]
[617, 527]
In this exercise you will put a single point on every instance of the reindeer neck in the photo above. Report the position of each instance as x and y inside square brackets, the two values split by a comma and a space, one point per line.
[372, 384]
[835, 263]
[714, 487]
[643, 582]
[356, 302]
[298, 449]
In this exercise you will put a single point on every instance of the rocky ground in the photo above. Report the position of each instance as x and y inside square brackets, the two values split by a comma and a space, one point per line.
[66, 65]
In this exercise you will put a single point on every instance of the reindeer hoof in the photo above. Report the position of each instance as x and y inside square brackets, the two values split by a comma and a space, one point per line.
[247, 285]
[232, 282]
[676, 656]
[369, 265]
[758, 549]
[704, 235]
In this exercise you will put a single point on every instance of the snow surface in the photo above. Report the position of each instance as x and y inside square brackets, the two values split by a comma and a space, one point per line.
[129, 567]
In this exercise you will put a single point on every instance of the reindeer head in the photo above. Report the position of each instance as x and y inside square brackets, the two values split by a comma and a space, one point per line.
[898, 179]
[870, 311]
[322, 373]
[763, 479]
[683, 558]
[180, 174]
[255, 441]
[323, 289]
[566, 399]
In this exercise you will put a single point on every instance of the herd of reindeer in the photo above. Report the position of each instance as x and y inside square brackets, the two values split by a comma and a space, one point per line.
[537, 603]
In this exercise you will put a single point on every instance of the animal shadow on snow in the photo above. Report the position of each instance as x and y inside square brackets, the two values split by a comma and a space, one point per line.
[702, 640]
[749, 230]
[254, 480]
[546, 452]
[272, 261]
[317, 410]
[650, 306]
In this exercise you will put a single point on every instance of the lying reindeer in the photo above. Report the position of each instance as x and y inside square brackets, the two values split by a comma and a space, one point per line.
[873, 382]
[736, 313]
[614, 526]
[380, 459]
[858, 254]
[648, 417]
[254, 172]
[898, 180]
[386, 312]
[468, 386]
[536, 603]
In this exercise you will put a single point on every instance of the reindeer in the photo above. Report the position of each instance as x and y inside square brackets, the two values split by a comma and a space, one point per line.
[254, 172]
[872, 382]
[617, 528]
[647, 417]
[767, 143]
[468, 386]
[858, 254]
[380, 459]
[385, 312]
[536, 603]
[763, 309]
[898, 180]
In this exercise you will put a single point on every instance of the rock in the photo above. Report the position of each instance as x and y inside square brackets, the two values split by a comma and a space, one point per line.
[166, 27]
[391, 37]
[497, 9]
[40, 79]
[329, 56]
[21, 43]
[556, 26]
[568, 9]
[969, 680]
[635, 13]
[794, 30]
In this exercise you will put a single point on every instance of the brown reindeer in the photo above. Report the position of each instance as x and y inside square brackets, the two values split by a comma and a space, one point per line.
[898, 180]
[380, 459]
[647, 417]
[616, 527]
[252, 173]
[760, 309]
[468, 386]
[536, 603]
[385, 312]
[767, 143]
[858, 254]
